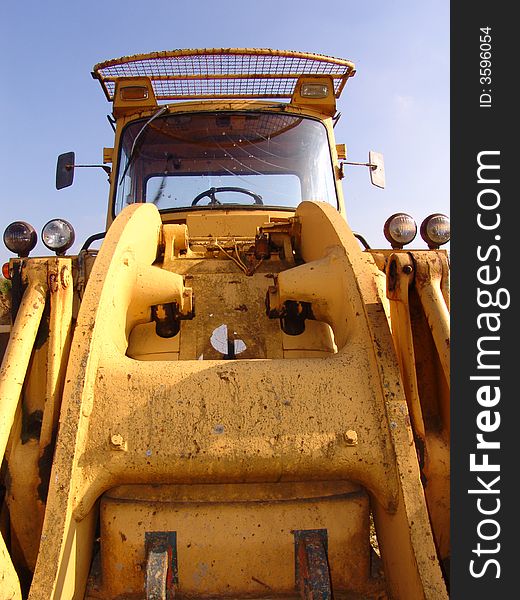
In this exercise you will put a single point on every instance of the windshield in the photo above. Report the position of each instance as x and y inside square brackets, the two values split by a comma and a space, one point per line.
[251, 159]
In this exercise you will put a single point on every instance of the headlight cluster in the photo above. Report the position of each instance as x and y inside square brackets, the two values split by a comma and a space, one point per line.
[400, 229]
[57, 235]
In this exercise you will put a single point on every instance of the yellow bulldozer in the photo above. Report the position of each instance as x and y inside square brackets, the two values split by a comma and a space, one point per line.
[230, 394]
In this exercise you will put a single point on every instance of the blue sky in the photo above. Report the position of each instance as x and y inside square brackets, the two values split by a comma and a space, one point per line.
[397, 104]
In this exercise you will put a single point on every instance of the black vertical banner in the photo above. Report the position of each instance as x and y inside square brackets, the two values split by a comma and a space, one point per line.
[485, 434]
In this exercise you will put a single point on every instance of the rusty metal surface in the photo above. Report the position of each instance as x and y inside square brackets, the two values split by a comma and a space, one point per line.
[418, 291]
[312, 565]
[430, 271]
[156, 572]
[15, 365]
[161, 565]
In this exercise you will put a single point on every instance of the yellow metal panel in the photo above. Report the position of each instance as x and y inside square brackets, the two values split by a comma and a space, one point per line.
[225, 224]
[123, 105]
[145, 344]
[9, 582]
[325, 105]
[239, 546]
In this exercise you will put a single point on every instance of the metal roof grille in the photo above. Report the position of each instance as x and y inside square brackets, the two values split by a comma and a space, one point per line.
[223, 73]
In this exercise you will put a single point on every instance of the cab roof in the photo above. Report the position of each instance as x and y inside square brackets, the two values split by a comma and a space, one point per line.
[223, 73]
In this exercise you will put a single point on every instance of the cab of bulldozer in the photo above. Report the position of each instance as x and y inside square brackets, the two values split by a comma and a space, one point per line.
[221, 143]
[224, 159]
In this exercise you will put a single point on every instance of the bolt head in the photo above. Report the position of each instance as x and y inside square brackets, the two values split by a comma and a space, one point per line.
[351, 437]
[65, 277]
[117, 440]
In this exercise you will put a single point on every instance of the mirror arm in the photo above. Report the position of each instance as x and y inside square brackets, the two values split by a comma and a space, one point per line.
[105, 168]
[376, 167]
[344, 162]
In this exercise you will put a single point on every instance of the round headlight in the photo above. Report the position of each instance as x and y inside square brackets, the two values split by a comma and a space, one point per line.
[435, 230]
[400, 229]
[20, 238]
[58, 235]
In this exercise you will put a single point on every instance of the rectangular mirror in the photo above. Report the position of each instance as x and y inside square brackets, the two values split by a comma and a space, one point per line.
[377, 168]
[65, 170]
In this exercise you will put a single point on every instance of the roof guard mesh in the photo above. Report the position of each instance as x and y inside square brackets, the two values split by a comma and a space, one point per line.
[223, 73]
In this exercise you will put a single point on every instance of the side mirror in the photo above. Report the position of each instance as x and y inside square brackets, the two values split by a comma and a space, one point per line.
[65, 170]
[376, 165]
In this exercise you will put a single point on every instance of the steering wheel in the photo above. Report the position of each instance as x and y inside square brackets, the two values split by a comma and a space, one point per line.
[214, 190]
